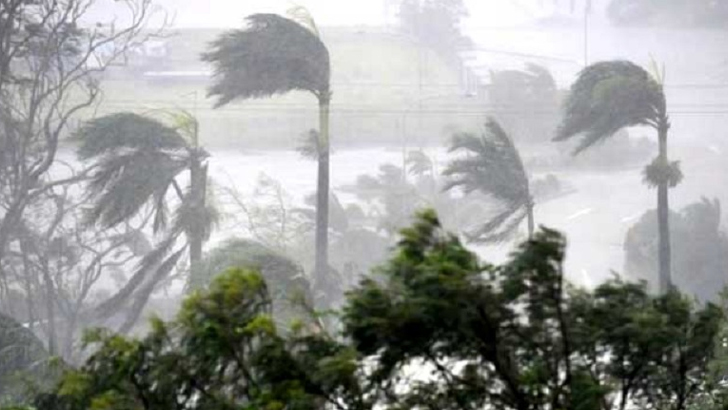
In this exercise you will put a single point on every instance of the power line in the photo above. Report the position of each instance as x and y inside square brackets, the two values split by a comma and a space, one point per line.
[454, 85]
[371, 111]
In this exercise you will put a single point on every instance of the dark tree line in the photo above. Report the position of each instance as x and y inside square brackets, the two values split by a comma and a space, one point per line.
[436, 328]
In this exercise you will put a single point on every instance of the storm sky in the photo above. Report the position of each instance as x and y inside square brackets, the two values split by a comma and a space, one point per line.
[229, 13]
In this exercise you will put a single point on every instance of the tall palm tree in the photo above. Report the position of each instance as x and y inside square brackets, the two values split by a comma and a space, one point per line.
[275, 55]
[137, 163]
[612, 95]
[494, 168]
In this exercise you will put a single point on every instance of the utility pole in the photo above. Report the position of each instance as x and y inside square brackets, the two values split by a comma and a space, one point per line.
[587, 11]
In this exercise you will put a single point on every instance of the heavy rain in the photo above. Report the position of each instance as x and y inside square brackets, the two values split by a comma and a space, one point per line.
[356, 204]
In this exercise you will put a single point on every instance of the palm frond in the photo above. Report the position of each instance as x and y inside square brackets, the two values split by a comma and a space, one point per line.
[492, 165]
[163, 271]
[272, 55]
[500, 227]
[142, 273]
[607, 97]
[124, 183]
[302, 16]
[309, 145]
[660, 171]
[418, 163]
[185, 124]
[137, 159]
[125, 131]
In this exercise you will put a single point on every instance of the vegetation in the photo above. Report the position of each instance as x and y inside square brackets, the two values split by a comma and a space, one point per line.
[609, 96]
[700, 249]
[436, 24]
[50, 66]
[351, 299]
[494, 168]
[23, 361]
[515, 336]
[675, 13]
[276, 55]
[288, 286]
[532, 90]
[137, 162]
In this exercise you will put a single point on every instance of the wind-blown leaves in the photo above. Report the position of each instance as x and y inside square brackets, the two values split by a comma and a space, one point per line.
[273, 55]
[124, 183]
[492, 167]
[125, 130]
[607, 97]
[21, 354]
[660, 171]
[137, 160]
[418, 163]
[286, 280]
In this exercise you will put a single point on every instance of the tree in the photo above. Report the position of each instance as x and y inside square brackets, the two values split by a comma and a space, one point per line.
[51, 60]
[138, 161]
[533, 90]
[223, 351]
[58, 268]
[21, 356]
[434, 328]
[435, 23]
[609, 96]
[494, 168]
[289, 289]
[681, 13]
[276, 55]
[700, 249]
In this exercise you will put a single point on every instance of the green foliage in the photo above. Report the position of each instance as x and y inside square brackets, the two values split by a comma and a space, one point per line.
[222, 352]
[289, 288]
[272, 55]
[607, 97]
[699, 249]
[492, 167]
[514, 336]
[24, 362]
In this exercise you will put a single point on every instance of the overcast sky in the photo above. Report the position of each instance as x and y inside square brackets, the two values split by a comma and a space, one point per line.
[230, 13]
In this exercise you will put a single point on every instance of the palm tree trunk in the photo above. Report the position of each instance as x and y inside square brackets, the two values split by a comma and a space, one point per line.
[663, 214]
[531, 223]
[322, 193]
[197, 188]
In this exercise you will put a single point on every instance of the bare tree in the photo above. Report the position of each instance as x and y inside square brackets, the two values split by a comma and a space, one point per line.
[51, 61]
[61, 270]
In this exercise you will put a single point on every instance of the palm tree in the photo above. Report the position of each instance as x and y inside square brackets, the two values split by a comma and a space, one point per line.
[137, 162]
[493, 167]
[275, 55]
[612, 95]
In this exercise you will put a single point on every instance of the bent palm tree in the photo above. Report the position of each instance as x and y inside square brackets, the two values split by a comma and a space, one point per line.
[493, 167]
[138, 161]
[612, 95]
[276, 55]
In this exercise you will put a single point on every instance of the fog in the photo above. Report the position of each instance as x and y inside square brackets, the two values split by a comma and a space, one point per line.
[144, 149]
